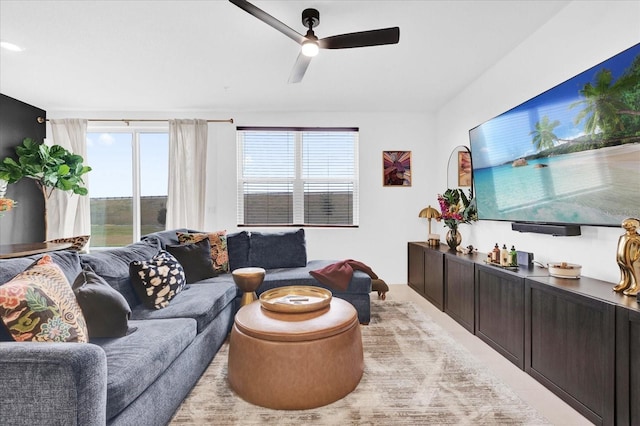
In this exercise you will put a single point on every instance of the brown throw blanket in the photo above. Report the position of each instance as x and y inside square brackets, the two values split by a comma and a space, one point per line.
[338, 275]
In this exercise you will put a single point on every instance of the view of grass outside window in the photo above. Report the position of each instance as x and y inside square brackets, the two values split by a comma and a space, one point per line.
[298, 177]
[128, 185]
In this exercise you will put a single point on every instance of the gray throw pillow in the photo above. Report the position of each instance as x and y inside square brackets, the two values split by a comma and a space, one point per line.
[272, 250]
[195, 259]
[106, 311]
[238, 249]
[113, 265]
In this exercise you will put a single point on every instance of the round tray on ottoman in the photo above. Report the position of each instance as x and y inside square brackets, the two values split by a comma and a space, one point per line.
[295, 298]
[295, 361]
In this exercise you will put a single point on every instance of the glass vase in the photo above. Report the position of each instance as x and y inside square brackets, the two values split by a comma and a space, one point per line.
[453, 238]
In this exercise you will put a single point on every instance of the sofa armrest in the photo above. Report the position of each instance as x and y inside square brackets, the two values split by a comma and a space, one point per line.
[53, 383]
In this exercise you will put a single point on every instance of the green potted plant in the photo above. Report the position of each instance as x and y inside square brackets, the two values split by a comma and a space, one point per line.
[51, 167]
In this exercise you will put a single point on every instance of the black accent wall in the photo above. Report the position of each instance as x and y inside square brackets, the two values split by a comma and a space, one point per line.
[25, 223]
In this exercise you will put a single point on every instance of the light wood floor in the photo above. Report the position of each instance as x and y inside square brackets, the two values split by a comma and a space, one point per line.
[536, 395]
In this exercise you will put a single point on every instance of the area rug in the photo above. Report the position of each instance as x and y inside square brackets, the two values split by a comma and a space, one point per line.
[415, 374]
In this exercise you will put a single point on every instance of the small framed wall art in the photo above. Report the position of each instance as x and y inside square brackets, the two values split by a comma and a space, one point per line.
[396, 167]
[464, 168]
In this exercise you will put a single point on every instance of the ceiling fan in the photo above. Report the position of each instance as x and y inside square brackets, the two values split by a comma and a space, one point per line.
[311, 44]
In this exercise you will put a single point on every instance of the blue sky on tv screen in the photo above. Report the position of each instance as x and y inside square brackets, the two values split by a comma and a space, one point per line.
[507, 137]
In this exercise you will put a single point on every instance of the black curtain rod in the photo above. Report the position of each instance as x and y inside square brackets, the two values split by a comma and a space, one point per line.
[140, 120]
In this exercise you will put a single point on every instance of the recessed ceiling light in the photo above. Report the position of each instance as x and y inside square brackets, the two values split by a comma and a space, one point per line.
[10, 46]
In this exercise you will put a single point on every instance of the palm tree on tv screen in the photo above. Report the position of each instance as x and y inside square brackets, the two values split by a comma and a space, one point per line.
[631, 97]
[543, 136]
[610, 108]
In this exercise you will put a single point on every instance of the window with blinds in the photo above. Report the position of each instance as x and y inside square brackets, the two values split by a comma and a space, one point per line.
[297, 176]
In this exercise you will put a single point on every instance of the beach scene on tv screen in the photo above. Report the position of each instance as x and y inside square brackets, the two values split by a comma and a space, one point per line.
[570, 155]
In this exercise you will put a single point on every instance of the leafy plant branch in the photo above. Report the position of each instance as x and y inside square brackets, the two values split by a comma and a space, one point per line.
[51, 167]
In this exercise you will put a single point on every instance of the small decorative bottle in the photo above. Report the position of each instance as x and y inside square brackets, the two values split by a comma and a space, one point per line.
[513, 257]
[504, 256]
[495, 254]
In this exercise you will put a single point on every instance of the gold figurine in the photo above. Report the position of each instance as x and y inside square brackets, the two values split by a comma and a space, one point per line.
[628, 258]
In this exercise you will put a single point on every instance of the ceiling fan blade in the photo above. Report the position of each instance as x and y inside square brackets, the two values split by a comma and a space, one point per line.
[299, 68]
[269, 20]
[361, 39]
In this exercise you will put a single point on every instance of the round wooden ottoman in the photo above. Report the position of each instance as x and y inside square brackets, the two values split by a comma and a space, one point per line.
[295, 361]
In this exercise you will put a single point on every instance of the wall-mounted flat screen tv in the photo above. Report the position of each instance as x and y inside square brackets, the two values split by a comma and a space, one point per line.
[571, 155]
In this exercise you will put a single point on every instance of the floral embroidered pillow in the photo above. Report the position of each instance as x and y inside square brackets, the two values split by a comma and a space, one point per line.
[38, 305]
[218, 242]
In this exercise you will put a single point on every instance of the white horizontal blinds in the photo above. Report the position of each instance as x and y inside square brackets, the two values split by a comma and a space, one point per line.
[329, 177]
[268, 175]
[292, 176]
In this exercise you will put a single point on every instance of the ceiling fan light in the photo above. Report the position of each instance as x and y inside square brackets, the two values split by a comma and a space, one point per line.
[310, 48]
[10, 46]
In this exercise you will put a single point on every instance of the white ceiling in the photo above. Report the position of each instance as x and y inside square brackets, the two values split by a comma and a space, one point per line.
[212, 56]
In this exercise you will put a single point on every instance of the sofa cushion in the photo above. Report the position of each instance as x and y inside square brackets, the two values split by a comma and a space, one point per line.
[9, 268]
[278, 249]
[157, 280]
[218, 242]
[68, 261]
[237, 244]
[136, 360]
[195, 260]
[105, 310]
[38, 305]
[202, 301]
[113, 265]
[167, 237]
[238, 249]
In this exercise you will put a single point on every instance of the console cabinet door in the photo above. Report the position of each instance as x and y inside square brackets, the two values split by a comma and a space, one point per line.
[426, 272]
[627, 366]
[572, 344]
[434, 277]
[459, 290]
[500, 312]
[416, 267]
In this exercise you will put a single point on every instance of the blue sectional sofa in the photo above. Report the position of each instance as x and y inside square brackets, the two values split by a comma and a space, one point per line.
[284, 256]
[142, 377]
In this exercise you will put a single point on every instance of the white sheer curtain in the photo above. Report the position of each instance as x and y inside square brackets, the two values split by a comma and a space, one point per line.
[68, 213]
[187, 173]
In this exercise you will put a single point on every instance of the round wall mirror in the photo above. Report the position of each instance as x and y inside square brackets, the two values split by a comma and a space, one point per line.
[459, 172]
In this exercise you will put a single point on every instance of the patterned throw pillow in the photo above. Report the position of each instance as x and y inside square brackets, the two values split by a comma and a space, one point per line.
[78, 242]
[38, 305]
[157, 280]
[218, 241]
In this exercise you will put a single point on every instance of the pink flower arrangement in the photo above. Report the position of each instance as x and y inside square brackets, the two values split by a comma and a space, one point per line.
[456, 208]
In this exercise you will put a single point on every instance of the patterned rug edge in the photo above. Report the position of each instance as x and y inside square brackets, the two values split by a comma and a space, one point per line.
[415, 373]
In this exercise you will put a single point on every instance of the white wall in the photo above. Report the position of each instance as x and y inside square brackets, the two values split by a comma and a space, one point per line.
[388, 215]
[582, 35]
